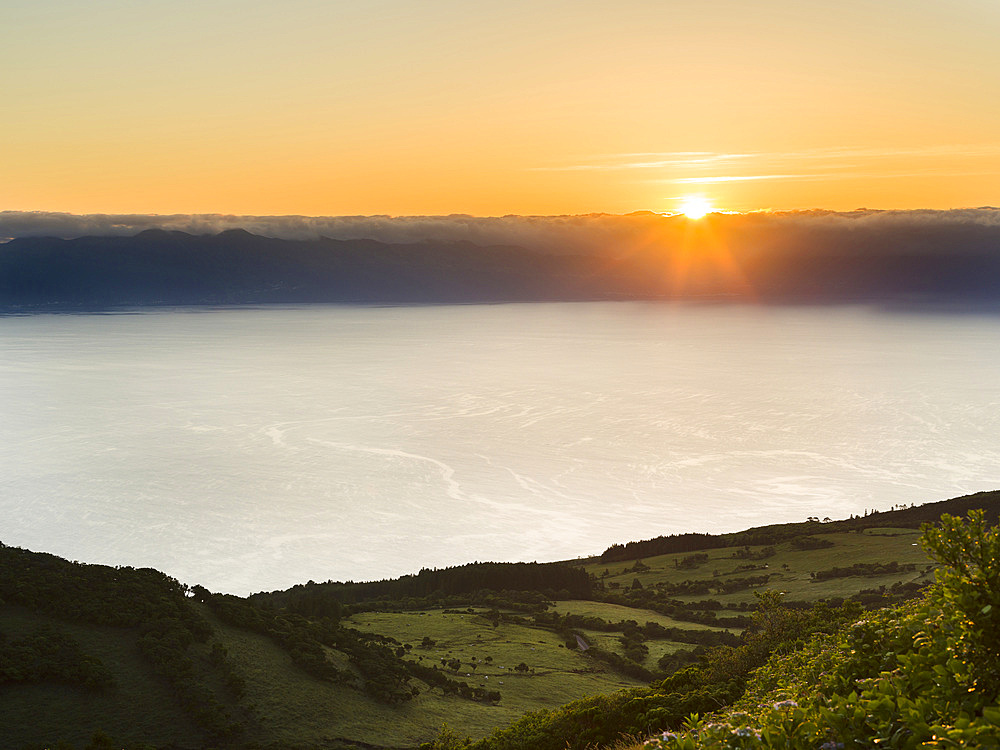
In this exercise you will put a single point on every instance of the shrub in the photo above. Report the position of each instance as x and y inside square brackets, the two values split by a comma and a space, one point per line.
[811, 542]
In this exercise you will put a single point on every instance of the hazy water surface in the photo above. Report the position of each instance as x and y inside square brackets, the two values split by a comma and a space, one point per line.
[253, 449]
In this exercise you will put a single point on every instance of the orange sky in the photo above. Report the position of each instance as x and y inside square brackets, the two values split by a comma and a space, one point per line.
[435, 107]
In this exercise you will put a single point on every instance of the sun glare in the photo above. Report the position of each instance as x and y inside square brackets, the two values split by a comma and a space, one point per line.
[694, 206]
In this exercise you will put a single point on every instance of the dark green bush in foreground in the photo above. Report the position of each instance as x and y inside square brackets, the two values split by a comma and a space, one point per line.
[49, 655]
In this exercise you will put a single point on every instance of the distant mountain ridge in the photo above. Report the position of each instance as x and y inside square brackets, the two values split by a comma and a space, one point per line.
[170, 268]
[158, 267]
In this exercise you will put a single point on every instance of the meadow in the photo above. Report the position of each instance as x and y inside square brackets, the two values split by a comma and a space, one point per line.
[789, 569]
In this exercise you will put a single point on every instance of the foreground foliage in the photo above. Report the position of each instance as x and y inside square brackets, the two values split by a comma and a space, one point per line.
[925, 675]
[50, 655]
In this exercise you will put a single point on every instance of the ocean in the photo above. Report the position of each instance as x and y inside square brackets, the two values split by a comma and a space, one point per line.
[251, 449]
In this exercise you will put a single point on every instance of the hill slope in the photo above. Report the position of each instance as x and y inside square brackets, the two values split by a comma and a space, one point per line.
[135, 654]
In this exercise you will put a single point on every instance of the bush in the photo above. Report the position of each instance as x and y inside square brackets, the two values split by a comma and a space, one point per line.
[968, 586]
[692, 561]
[447, 739]
[49, 655]
[811, 542]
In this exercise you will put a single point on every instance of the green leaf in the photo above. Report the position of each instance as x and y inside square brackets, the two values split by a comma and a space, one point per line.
[992, 714]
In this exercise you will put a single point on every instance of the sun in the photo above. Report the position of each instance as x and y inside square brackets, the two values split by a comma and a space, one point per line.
[695, 206]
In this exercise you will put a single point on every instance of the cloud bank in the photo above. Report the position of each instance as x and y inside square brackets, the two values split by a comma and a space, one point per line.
[603, 234]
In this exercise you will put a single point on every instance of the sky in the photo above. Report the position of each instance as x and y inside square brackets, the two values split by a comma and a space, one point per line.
[407, 108]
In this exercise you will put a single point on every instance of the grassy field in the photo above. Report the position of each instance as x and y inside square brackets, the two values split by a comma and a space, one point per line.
[557, 674]
[614, 613]
[470, 637]
[610, 641]
[788, 569]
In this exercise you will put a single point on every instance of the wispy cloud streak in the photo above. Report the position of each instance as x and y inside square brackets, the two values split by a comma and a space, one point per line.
[652, 160]
[739, 178]
[809, 164]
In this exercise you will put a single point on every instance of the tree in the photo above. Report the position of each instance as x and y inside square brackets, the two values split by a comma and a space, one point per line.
[447, 739]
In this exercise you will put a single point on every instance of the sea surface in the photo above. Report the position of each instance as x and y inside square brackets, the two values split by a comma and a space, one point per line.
[252, 449]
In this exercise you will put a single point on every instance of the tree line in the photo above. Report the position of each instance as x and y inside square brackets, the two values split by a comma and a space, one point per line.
[555, 580]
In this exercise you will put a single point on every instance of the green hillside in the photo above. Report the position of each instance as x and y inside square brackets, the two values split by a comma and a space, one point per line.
[730, 575]
[921, 675]
[137, 656]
